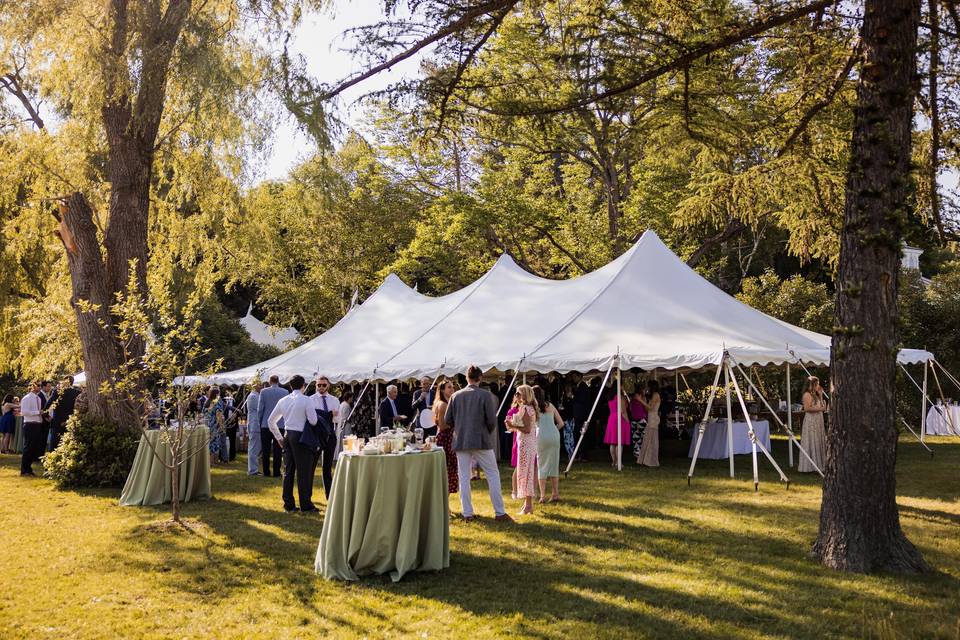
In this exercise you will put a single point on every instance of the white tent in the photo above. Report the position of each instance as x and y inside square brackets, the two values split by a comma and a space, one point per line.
[264, 334]
[647, 307]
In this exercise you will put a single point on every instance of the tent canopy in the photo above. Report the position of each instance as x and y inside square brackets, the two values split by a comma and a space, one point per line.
[647, 309]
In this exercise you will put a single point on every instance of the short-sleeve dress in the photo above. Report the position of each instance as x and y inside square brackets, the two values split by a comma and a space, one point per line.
[527, 459]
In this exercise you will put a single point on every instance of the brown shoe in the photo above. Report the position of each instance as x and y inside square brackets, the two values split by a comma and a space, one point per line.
[468, 518]
[503, 518]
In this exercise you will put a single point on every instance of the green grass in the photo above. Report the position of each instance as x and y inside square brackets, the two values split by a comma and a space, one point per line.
[634, 554]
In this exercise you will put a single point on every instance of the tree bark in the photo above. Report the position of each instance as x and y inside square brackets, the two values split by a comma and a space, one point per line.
[859, 521]
[934, 13]
[100, 272]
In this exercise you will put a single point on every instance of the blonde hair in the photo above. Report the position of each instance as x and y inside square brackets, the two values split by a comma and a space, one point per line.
[524, 396]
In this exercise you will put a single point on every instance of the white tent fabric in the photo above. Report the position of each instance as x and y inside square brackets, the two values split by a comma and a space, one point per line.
[264, 334]
[647, 307]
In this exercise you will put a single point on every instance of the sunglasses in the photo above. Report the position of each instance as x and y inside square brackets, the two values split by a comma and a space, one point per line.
[322, 385]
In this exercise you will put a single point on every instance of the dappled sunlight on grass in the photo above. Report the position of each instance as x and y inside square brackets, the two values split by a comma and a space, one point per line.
[631, 554]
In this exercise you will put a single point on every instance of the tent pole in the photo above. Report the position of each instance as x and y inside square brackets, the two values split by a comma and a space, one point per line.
[676, 392]
[909, 428]
[793, 437]
[789, 417]
[619, 418]
[753, 438]
[943, 401]
[376, 409]
[703, 423]
[923, 402]
[726, 389]
[583, 429]
[524, 377]
[506, 394]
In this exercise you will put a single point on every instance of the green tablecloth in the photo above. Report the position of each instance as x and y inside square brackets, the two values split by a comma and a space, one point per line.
[18, 435]
[149, 480]
[386, 513]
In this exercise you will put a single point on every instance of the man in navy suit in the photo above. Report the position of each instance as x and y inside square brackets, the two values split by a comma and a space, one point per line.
[390, 415]
[269, 398]
[423, 400]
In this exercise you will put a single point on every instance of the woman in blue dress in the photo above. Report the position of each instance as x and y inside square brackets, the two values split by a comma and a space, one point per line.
[214, 415]
[8, 423]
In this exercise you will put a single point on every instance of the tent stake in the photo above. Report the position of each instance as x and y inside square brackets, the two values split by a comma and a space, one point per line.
[583, 429]
[703, 423]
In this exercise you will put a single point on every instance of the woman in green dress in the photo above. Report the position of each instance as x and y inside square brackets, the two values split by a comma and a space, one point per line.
[548, 446]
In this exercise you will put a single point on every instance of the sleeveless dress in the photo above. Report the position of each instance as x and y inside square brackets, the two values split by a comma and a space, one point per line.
[8, 422]
[813, 439]
[527, 460]
[548, 447]
[445, 441]
[610, 437]
[211, 415]
[650, 449]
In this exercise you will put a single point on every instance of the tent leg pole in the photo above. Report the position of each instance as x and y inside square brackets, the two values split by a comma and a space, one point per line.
[376, 409]
[726, 387]
[703, 423]
[583, 429]
[910, 429]
[793, 436]
[619, 419]
[753, 439]
[923, 402]
[789, 417]
[949, 410]
[676, 405]
[943, 402]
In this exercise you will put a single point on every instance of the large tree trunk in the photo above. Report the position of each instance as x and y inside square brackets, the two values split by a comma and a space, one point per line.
[859, 522]
[100, 273]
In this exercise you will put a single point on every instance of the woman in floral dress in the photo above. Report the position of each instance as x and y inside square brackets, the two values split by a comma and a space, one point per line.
[524, 423]
[213, 413]
[445, 435]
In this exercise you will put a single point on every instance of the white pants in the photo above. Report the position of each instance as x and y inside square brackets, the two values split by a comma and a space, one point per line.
[253, 451]
[488, 463]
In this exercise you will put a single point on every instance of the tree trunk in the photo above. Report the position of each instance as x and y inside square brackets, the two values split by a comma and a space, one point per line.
[175, 474]
[859, 522]
[934, 17]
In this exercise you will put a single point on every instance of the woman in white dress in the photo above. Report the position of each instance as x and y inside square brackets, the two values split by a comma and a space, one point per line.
[342, 427]
[813, 438]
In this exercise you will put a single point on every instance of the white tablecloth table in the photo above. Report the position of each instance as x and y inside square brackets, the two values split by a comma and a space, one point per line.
[714, 445]
[937, 423]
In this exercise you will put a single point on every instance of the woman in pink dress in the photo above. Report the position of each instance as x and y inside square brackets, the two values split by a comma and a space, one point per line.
[610, 437]
[524, 423]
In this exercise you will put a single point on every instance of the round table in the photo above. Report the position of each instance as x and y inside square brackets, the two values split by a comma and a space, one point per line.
[149, 480]
[386, 513]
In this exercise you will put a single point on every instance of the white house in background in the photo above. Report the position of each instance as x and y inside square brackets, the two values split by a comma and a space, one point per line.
[911, 260]
[266, 335]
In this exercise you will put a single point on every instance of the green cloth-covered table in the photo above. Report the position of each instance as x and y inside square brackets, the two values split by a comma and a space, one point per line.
[18, 435]
[149, 480]
[386, 514]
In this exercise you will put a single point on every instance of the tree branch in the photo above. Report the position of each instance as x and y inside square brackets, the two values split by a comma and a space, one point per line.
[549, 236]
[734, 228]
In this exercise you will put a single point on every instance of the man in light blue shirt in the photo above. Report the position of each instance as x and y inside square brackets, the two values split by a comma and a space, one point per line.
[299, 460]
[253, 431]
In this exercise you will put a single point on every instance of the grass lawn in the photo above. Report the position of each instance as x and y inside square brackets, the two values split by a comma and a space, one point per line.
[634, 554]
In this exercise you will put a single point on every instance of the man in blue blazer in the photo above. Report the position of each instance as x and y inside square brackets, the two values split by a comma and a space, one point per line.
[269, 398]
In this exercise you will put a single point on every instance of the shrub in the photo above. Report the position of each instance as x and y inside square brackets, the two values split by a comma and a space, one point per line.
[92, 453]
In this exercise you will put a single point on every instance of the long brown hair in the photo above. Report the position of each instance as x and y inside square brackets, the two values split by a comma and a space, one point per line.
[540, 397]
[811, 387]
[453, 387]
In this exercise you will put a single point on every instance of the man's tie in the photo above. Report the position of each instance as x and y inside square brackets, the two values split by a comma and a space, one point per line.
[323, 401]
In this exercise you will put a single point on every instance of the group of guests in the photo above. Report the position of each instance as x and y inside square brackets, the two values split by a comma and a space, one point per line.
[639, 426]
[45, 412]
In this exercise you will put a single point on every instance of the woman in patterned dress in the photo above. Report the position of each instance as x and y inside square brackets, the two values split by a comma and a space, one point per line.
[213, 412]
[524, 423]
[445, 434]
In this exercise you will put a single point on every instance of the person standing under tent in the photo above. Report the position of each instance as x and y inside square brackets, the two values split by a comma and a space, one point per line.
[422, 401]
[343, 427]
[230, 429]
[253, 430]
[650, 449]
[8, 422]
[638, 421]
[33, 441]
[445, 434]
[580, 404]
[524, 423]
[389, 411]
[548, 445]
[610, 437]
[328, 407]
[299, 461]
[269, 398]
[214, 417]
[813, 438]
[472, 414]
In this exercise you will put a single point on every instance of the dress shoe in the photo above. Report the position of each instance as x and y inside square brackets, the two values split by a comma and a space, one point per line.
[503, 518]
[291, 509]
[310, 510]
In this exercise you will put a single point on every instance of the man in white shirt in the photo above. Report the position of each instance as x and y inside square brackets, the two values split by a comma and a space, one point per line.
[253, 431]
[324, 402]
[34, 442]
[296, 410]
